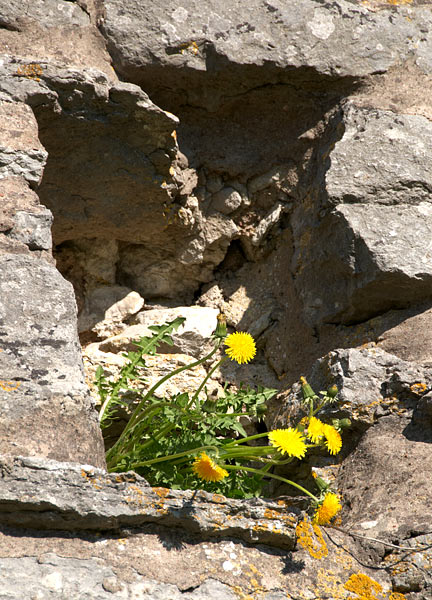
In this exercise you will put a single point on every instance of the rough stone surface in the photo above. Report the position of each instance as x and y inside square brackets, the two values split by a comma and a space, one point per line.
[122, 537]
[339, 39]
[117, 313]
[60, 31]
[193, 337]
[371, 221]
[371, 382]
[21, 153]
[46, 406]
[74, 497]
[98, 302]
[267, 159]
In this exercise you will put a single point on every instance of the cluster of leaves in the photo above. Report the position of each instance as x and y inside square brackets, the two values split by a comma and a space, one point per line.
[160, 427]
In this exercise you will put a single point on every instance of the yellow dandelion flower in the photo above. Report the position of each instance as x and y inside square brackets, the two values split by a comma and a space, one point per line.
[207, 469]
[241, 347]
[288, 441]
[329, 507]
[315, 430]
[333, 439]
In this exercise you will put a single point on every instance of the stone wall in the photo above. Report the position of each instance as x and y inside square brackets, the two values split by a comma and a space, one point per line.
[270, 159]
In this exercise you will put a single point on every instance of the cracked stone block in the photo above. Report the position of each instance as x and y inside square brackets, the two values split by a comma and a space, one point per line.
[362, 246]
[46, 406]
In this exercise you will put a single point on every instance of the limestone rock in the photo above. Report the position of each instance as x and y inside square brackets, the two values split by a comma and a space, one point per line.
[193, 337]
[409, 339]
[83, 497]
[374, 216]
[383, 481]
[376, 456]
[59, 31]
[371, 384]
[115, 313]
[115, 516]
[46, 407]
[25, 225]
[21, 153]
[226, 201]
[335, 40]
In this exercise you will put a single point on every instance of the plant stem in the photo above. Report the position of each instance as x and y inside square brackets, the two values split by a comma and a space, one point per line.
[246, 439]
[171, 456]
[206, 378]
[256, 471]
[135, 415]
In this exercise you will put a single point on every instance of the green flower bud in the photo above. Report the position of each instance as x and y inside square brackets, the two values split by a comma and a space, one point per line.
[307, 391]
[261, 409]
[320, 483]
[221, 327]
[332, 391]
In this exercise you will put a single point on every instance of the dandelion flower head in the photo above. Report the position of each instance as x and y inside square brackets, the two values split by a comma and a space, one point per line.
[333, 439]
[241, 347]
[207, 469]
[329, 507]
[288, 441]
[315, 429]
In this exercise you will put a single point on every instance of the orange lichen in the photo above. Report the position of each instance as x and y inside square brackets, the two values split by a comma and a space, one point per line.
[363, 586]
[191, 47]
[9, 386]
[31, 71]
[161, 492]
[329, 585]
[218, 499]
[418, 388]
[271, 514]
[310, 537]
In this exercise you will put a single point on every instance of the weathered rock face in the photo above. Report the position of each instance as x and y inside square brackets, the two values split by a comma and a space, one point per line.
[267, 159]
[366, 245]
[46, 407]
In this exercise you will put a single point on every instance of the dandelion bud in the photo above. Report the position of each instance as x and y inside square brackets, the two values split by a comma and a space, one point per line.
[307, 391]
[344, 423]
[221, 327]
[261, 409]
[332, 391]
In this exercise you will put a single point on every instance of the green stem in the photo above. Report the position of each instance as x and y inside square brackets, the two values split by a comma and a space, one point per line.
[171, 456]
[124, 378]
[256, 471]
[137, 411]
[246, 439]
[148, 413]
[206, 378]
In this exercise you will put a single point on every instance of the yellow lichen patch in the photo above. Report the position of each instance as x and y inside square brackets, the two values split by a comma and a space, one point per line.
[31, 71]
[9, 386]
[240, 594]
[310, 537]
[96, 482]
[271, 514]
[344, 559]
[396, 596]
[191, 47]
[218, 499]
[364, 587]
[136, 489]
[161, 492]
[418, 388]
[329, 585]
